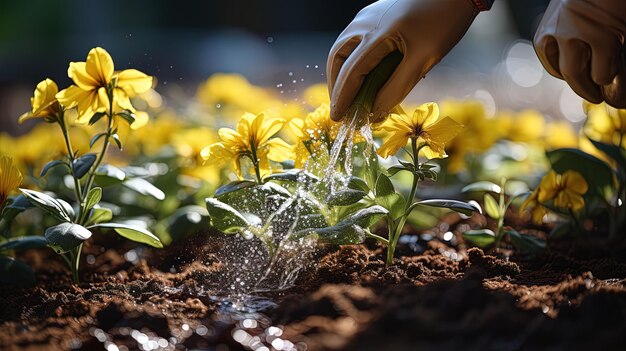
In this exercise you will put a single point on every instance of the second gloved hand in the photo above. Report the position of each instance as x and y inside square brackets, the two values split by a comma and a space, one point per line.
[422, 30]
[581, 41]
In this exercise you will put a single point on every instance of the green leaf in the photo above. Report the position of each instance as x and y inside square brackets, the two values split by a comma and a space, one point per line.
[394, 203]
[275, 189]
[393, 170]
[367, 217]
[24, 243]
[107, 175]
[51, 165]
[455, 205]
[66, 236]
[345, 197]
[127, 115]
[96, 138]
[342, 235]
[99, 215]
[83, 164]
[409, 166]
[348, 231]
[96, 117]
[93, 197]
[357, 183]
[117, 140]
[371, 169]
[68, 208]
[613, 151]
[225, 218]
[480, 237]
[14, 272]
[132, 232]
[482, 186]
[17, 205]
[234, 186]
[491, 206]
[144, 187]
[47, 203]
[596, 172]
[292, 175]
[526, 243]
[384, 186]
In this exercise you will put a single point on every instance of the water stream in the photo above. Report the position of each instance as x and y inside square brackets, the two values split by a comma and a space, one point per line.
[253, 265]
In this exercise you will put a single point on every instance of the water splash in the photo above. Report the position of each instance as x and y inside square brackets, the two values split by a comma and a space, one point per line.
[266, 257]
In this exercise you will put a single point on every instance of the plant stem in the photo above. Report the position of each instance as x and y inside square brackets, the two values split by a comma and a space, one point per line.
[395, 226]
[100, 157]
[70, 155]
[255, 161]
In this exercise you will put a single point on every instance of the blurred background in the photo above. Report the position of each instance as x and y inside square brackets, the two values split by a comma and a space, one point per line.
[276, 43]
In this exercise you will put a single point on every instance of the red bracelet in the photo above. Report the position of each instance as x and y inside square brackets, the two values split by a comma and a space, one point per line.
[482, 5]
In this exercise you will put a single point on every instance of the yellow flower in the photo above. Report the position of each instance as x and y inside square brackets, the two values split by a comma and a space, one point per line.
[425, 125]
[316, 94]
[537, 209]
[44, 103]
[252, 140]
[567, 189]
[605, 123]
[560, 134]
[10, 178]
[479, 132]
[95, 79]
[524, 126]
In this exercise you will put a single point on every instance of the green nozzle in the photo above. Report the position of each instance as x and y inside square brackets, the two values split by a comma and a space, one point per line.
[375, 80]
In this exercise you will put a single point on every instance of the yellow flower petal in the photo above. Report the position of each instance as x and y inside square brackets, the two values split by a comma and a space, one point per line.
[10, 178]
[426, 114]
[433, 150]
[133, 82]
[443, 130]
[569, 199]
[121, 100]
[575, 182]
[78, 73]
[392, 145]
[216, 154]
[263, 129]
[44, 95]
[141, 119]
[279, 150]
[84, 99]
[548, 188]
[99, 66]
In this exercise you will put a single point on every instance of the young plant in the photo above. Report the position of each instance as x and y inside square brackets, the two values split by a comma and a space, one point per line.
[427, 133]
[99, 94]
[496, 209]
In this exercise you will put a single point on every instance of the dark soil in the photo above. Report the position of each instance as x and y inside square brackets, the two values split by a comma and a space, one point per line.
[437, 295]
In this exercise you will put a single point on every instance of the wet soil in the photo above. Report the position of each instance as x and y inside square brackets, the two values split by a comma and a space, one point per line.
[437, 295]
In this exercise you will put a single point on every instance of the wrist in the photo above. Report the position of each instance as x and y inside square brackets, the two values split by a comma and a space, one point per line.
[481, 5]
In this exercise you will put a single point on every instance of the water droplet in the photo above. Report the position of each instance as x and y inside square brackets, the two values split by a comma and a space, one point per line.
[270, 40]
[290, 74]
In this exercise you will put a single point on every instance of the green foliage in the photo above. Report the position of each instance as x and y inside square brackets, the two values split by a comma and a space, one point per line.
[65, 237]
[496, 209]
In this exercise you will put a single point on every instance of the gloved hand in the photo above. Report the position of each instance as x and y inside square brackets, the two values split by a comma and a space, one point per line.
[581, 41]
[422, 30]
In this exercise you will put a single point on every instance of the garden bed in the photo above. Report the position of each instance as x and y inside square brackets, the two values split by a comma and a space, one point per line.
[436, 295]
